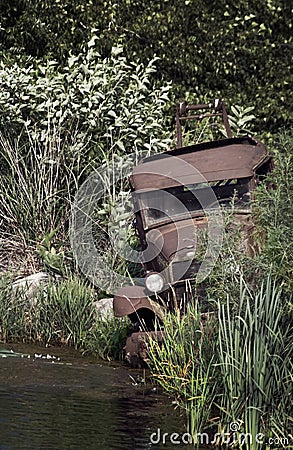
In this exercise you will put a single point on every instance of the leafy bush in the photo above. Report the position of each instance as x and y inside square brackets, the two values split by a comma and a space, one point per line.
[60, 123]
[110, 101]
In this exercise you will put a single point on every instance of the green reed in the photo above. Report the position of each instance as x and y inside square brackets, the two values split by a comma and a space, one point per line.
[255, 360]
[183, 365]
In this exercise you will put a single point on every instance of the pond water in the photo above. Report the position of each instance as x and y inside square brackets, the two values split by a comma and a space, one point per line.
[73, 402]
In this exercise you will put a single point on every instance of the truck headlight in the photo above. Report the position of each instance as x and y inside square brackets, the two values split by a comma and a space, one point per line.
[154, 282]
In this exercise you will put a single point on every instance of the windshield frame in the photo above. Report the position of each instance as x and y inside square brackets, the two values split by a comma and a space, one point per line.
[220, 189]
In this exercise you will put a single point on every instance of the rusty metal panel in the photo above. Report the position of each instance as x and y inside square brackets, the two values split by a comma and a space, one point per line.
[136, 348]
[217, 108]
[130, 299]
[231, 158]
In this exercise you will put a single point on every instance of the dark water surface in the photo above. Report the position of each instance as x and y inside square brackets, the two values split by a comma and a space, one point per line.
[77, 403]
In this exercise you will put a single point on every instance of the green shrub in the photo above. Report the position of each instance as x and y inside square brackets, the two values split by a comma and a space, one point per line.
[110, 101]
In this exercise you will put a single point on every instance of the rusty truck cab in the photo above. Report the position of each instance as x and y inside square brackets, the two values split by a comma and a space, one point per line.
[174, 195]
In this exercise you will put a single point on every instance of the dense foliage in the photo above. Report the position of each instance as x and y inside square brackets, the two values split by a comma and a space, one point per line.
[240, 50]
[110, 100]
[57, 124]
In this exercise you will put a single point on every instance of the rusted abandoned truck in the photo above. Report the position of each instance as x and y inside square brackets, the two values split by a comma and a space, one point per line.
[175, 194]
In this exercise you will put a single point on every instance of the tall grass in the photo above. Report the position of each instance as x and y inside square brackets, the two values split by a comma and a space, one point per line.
[255, 360]
[183, 365]
[36, 179]
[273, 213]
[12, 311]
[61, 313]
[37, 183]
[235, 369]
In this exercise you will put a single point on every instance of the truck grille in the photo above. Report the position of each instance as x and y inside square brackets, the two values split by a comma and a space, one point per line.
[181, 271]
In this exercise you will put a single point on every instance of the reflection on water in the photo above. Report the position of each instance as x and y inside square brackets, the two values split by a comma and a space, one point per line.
[76, 403]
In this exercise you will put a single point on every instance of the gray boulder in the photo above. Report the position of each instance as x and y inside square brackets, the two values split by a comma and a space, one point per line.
[105, 308]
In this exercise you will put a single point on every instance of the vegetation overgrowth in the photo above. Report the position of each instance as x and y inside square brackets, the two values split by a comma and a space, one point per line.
[61, 313]
[238, 50]
[77, 94]
[231, 373]
[229, 360]
[57, 126]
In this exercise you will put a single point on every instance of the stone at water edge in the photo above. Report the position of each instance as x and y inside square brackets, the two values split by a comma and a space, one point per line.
[30, 285]
[105, 308]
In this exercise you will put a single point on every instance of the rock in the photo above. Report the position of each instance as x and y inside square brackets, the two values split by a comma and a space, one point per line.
[105, 308]
[31, 284]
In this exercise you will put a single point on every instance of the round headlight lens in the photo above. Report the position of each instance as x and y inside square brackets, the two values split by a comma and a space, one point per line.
[154, 282]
